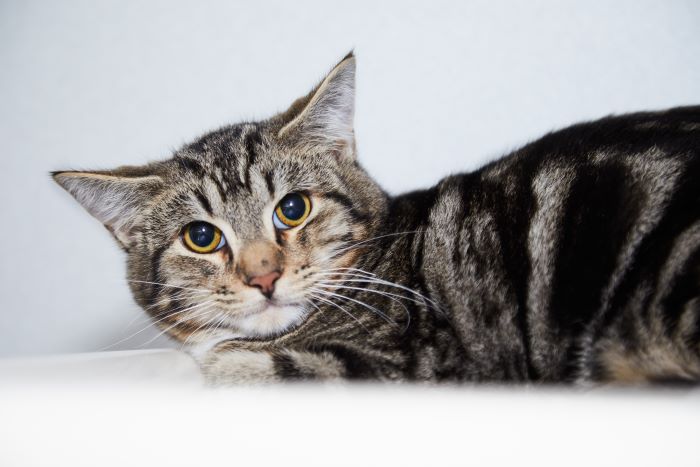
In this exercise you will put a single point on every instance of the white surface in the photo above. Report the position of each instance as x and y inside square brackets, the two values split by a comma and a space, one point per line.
[147, 408]
[442, 86]
[151, 408]
[166, 367]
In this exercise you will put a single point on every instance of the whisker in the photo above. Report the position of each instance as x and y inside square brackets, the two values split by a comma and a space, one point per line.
[338, 284]
[338, 273]
[168, 315]
[199, 313]
[204, 325]
[378, 280]
[340, 308]
[359, 271]
[393, 297]
[168, 285]
[357, 244]
[359, 302]
[142, 317]
[185, 295]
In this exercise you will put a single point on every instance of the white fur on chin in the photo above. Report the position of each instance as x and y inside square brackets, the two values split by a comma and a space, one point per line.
[273, 320]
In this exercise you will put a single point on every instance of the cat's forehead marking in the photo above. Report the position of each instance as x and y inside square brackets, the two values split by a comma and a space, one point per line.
[231, 175]
[239, 173]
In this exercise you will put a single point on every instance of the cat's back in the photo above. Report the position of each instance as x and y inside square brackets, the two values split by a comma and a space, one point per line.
[566, 235]
[670, 130]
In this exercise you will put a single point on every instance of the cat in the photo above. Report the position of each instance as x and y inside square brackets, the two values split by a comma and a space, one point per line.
[269, 252]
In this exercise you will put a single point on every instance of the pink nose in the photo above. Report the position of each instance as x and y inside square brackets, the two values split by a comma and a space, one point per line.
[266, 282]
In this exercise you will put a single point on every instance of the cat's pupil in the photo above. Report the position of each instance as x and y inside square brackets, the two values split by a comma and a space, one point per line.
[293, 206]
[202, 234]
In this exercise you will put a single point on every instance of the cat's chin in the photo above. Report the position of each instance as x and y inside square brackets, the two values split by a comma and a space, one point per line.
[270, 321]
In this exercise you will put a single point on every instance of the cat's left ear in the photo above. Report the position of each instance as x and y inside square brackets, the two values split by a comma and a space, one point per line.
[324, 119]
[116, 198]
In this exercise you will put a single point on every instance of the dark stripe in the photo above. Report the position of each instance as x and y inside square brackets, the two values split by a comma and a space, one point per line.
[285, 367]
[694, 338]
[419, 242]
[186, 326]
[347, 238]
[685, 288]
[155, 272]
[219, 188]
[512, 221]
[509, 200]
[656, 246]
[190, 165]
[348, 205]
[355, 364]
[279, 238]
[270, 183]
[411, 342]
[182, 198]
[204, 202]
[303, 238]
[600, 211]
[252, 140]
[412, 210]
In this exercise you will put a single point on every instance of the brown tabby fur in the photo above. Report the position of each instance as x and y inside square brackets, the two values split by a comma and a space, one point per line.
[574, 259]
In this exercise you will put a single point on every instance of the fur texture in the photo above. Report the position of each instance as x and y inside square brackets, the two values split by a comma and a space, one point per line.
[573, 259]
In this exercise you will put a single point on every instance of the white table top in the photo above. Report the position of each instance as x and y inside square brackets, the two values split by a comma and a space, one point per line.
[151, 408]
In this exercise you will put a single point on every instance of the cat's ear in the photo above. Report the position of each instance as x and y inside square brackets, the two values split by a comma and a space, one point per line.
[116, 198]
[323, 120]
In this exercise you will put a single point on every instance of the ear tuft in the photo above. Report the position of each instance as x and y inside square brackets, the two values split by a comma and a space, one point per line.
[326, 118]
[114, 199]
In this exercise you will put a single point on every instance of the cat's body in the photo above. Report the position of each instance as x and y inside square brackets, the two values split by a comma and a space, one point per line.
[576, 258]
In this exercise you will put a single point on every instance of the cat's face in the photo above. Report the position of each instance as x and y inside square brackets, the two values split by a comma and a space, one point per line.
[229, 237]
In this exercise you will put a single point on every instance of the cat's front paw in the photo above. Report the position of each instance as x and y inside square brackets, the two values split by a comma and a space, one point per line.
[226, 365]
[238, 367]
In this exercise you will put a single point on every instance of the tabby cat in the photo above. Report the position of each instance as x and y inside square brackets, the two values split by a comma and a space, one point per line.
[269, 252]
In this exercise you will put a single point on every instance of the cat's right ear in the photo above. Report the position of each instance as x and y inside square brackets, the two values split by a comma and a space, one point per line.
[115, 198]
[323, 119]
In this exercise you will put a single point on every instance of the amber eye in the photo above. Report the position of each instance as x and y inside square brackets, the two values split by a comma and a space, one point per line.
[291, 211]
[202, 237]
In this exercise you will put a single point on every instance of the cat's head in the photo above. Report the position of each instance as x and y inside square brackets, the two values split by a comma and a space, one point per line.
[229, 236]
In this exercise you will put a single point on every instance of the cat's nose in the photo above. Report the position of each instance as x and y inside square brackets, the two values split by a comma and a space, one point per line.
[260, 265]
[266, 282]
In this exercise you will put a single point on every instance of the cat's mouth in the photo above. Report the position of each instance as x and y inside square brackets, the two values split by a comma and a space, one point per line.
[270, 305]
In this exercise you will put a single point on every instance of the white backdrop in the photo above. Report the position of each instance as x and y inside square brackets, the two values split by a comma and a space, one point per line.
[442, 87]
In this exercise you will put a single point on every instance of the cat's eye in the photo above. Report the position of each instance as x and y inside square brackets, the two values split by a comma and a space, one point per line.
[202, 237]
[291, 211]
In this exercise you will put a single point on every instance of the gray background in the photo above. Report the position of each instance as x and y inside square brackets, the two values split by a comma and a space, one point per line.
[442, 87]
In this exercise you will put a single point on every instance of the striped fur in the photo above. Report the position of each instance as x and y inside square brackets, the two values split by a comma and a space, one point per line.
[574, 259]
